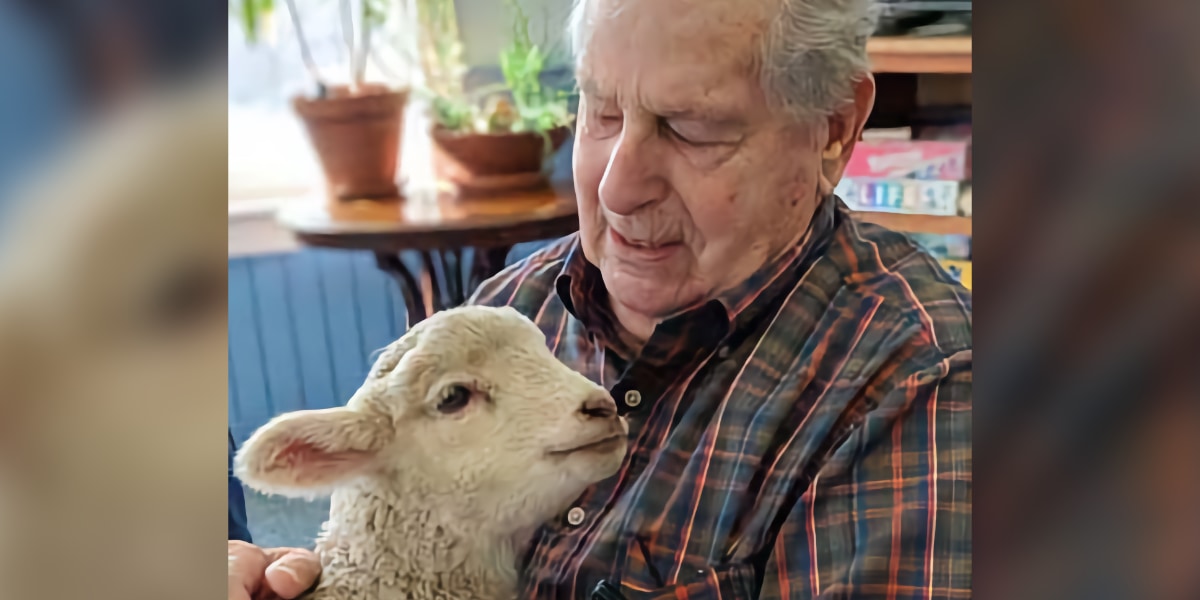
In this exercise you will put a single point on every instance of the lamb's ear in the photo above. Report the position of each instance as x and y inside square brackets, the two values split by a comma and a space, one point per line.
[308, 453]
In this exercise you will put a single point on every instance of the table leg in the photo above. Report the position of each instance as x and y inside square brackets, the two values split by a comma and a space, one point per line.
[429, 291]
[488, 262]
[409, 289]
[452, 266]
[434, 301]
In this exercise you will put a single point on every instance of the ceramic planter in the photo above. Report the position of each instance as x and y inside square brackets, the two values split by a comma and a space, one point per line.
[357, 138]
[482, 164]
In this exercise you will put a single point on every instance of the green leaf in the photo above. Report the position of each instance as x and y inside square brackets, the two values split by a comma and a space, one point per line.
[249, 20]
[374, 12]
[250, 14]
[522, 62]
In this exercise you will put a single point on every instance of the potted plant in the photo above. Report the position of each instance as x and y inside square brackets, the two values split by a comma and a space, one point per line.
[496, 138]
[355, 127]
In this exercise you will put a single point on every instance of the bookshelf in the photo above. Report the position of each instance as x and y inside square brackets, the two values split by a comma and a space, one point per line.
[936, 224]
[898, 63]
[936, 55]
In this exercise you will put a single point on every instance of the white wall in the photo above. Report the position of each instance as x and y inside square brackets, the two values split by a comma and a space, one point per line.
[272, 71]
[484, 25]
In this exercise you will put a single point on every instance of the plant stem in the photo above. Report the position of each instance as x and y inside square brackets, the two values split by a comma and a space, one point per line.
[348, 36]
[305, 52]
[440, 46]
[364, 45]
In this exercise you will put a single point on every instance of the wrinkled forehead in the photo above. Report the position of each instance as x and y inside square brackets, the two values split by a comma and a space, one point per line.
[671, 51]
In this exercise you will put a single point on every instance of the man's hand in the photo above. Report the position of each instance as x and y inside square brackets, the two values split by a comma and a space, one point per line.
[256, 573]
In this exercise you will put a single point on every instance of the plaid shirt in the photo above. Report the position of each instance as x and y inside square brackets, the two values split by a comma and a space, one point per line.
[807, 434]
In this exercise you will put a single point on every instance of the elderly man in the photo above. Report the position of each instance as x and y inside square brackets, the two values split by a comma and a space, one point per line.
[797, 384]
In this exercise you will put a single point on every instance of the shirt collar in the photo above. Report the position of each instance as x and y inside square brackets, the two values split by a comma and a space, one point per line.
[580, 286]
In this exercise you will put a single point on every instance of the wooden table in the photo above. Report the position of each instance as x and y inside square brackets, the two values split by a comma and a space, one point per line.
[438, 227]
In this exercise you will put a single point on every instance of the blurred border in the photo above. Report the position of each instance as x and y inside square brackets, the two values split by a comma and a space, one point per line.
[1087, 273]
[1087, 285]
[112, 326]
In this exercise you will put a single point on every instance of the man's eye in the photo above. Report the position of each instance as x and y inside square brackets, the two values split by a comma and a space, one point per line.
[690, 140]
[454, 399]
[697, 136]
[679, 136]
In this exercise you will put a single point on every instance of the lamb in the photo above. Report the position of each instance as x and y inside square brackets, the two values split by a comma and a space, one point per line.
[465, 437]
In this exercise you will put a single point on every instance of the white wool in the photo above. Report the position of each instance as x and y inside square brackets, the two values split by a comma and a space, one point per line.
[430, 504]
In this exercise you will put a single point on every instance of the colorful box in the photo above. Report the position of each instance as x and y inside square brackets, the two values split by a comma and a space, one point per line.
[900, 195]
[960, 270]
[912, 159]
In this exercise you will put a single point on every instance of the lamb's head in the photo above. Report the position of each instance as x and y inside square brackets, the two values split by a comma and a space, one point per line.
[469, 407]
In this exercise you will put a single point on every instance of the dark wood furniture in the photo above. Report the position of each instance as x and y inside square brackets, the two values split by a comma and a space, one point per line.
[441, 228]
[941, 55]
[936, 224]
[460, 241]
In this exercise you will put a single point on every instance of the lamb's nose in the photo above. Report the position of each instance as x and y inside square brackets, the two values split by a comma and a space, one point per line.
[599, 406]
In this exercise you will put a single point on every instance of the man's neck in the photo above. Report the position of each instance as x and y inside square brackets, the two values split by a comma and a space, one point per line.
[635, 328]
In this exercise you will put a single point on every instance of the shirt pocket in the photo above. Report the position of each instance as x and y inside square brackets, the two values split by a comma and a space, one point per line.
[639, 574]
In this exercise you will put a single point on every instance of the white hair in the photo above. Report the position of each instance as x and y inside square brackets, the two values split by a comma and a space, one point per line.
[812, 52]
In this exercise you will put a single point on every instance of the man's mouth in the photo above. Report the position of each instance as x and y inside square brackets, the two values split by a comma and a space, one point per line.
[646, 249]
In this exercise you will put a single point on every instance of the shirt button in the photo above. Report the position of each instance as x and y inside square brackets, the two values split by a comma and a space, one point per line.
[575, 516]
[633, 398]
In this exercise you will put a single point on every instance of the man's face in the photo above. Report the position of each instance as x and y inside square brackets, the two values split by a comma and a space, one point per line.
[687, 181]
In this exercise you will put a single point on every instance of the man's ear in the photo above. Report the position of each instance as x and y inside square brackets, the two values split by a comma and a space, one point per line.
[845, 128]
[308, 453]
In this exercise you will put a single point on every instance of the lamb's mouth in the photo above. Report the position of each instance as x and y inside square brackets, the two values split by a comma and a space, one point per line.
[603, 445]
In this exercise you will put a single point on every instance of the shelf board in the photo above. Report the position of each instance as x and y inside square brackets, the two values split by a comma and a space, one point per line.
[936, 224]
[920, 55]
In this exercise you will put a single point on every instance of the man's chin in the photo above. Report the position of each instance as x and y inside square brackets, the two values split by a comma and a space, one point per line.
[646, 296]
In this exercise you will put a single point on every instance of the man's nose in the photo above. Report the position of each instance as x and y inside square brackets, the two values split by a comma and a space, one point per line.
[633, 178]
[598, 405]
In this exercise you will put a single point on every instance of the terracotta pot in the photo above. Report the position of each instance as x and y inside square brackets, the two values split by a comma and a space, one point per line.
[489, 163]
[357, 138]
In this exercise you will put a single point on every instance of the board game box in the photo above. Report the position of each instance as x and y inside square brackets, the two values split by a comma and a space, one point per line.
[909, 159]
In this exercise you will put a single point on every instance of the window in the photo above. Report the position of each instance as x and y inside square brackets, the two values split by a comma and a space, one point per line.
[269, 153]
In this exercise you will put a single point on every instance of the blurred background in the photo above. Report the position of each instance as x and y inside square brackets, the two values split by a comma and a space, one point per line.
[113, 330]
[124, 212]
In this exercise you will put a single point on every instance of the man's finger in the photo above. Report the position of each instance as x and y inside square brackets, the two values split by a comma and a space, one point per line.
[291, 571]
[246, 566]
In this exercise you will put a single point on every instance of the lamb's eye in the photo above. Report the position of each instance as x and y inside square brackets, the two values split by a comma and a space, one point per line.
[454, 399]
